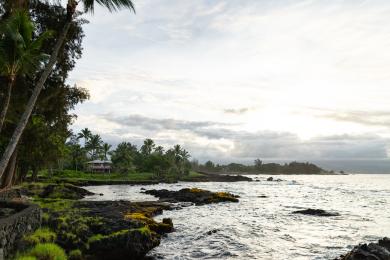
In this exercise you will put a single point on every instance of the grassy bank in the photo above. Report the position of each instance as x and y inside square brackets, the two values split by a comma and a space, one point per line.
[86, 178]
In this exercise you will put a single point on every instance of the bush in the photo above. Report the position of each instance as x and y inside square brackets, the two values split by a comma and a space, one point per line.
[26, 258]
[47, 251]
[75, 254]
[42, 235]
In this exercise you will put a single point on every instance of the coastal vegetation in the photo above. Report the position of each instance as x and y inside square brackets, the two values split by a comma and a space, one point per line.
[259, 167]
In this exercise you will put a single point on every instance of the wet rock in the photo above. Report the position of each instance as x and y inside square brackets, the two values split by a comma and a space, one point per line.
[372, 251]
[108, 229]
[55, 191]
[272, 179]
[316, 212]
[126, 244]
[220, 177]
[194, 195]
[212, 232]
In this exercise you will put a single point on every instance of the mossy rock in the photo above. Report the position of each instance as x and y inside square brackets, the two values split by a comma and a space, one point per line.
[195, 195]
[117, 246]
[64, 191]
[159, 227]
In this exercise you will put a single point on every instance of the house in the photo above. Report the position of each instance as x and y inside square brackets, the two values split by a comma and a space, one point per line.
[99, 166]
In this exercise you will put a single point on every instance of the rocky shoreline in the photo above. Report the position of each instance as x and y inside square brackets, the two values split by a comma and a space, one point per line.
[127, 230]
[104, 229]
[205, 177]
[372, 251]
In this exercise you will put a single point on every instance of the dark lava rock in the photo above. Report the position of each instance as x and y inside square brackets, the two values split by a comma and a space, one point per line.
[110, 229]
[220, 177]
[316, 212]
[194, 195]
[55, 191]
[5, 212]
[272, 179]
[372, 251]
[127, 244]
[212, 232]
[64, 191]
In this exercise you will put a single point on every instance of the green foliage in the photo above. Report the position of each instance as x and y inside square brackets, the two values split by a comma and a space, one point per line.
[75, 254]
[43, 141]
[95, 238]
[124, 156]
[26, 258]
[261, 167]
[19, 53]
[46, 251]
[94, 146]
[70, 175]
[41, 235]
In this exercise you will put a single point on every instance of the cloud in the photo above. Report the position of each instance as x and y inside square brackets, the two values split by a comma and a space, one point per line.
[156, 124]
[369, 118]
[190, 72]
[238, 111]
[214, 140]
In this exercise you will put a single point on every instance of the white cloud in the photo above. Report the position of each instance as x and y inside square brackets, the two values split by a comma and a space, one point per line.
[273, 60]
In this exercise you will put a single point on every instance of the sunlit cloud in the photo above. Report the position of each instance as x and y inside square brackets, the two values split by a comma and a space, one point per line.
[275, 79]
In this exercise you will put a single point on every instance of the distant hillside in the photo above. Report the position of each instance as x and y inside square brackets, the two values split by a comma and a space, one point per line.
[261, 168]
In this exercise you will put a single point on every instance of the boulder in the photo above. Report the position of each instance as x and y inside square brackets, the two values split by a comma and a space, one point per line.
[194, 195]
[371, 251]
[316, 212]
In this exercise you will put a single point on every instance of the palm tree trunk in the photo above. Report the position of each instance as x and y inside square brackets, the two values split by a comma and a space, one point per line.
[10, 172]
[33, 99]
[6, 102]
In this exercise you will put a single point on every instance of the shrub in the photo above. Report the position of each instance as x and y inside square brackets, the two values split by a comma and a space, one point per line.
[47, 251]
[41, 235]
[26, 258]
[75, 254]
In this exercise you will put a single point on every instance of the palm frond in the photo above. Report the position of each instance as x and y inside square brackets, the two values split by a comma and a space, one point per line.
[111, 5]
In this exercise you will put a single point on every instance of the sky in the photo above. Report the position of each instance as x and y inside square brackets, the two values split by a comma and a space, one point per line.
[236, 80]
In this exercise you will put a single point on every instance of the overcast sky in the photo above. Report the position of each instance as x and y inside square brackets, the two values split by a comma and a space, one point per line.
[242, 79]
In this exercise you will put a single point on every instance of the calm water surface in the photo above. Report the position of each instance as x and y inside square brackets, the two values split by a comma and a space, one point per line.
[264, 228]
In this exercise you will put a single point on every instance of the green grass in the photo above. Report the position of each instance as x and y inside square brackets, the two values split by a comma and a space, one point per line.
[41, 235]
[79, 175]
[193, 175]
[75, 254]
[46, 251]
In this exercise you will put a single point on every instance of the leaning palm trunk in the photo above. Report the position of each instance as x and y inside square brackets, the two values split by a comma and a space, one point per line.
[32, 101]
[11, 172]
[6, 102]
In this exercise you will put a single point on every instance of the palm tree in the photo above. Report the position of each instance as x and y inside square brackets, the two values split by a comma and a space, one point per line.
[84, 133]
[105, 149]
[19, 53]
[147, 147]
[94, 144]
[111, 5]
[159, 150]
